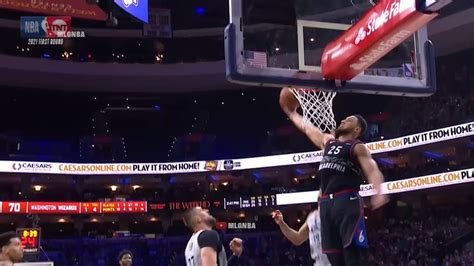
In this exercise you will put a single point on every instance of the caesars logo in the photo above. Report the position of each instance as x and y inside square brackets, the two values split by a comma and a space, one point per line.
[367, 190]
[367, 187]
[32, 166]
[306, 157]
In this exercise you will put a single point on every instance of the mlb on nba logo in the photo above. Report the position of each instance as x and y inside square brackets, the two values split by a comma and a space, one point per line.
[45, 27]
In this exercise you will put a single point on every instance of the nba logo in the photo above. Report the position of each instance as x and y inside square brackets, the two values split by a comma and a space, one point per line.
[31, 27]
[45, 27]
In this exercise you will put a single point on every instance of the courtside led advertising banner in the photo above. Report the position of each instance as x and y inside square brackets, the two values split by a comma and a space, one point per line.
[391, 187]
[269, 201]
[136, 8]
[378, 147]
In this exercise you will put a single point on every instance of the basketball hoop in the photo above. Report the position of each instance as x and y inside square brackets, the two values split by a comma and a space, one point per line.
[317, 107]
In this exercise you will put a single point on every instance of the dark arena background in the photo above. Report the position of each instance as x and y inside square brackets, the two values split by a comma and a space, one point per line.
[108, 135]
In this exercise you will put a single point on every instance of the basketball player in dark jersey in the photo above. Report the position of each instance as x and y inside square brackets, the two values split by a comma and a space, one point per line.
[11, 250]
[345, 157]
[125, 258]
[205, 248]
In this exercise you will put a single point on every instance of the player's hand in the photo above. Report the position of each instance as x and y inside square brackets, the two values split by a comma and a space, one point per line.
[278, 217]
[236, 246]
[378, 200]
[288, 101]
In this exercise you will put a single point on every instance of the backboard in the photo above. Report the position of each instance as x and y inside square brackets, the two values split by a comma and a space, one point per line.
[281, 42]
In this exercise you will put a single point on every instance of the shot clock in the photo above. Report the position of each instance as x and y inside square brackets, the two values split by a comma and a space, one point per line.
[30, 239]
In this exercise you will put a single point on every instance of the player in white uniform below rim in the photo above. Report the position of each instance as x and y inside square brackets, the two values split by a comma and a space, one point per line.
[205, 248]
[311, 230]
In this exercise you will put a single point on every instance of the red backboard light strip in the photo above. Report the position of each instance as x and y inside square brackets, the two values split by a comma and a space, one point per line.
[379, 31]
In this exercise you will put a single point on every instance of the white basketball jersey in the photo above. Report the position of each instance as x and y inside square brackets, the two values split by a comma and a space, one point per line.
[314, 225]
[193, 252]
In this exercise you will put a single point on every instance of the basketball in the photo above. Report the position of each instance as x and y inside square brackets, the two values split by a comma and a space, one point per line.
[288, 100]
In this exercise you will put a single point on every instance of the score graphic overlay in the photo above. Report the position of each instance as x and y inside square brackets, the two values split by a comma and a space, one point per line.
[47, 30]
[244, 202]
[23, 207]
[30, 239]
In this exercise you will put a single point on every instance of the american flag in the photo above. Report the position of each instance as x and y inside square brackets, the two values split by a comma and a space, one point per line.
[255, 59]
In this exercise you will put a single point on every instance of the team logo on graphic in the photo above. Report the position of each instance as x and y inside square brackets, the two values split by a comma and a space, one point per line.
[230, 164]
[210, 165]
[127, 3]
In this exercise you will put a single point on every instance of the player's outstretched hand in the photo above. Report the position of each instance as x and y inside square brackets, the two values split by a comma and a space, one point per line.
[288, 101]
[278, 217]
[377, 201]
[236, 246]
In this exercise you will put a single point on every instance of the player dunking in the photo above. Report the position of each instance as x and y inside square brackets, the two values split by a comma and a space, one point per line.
[311, 230]
[205, 248]
[343, 232]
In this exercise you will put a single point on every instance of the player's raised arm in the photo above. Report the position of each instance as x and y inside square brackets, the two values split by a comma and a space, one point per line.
[236, 246]
[372, 172]
[296, 238]
[208, 256]
[209, 243]
[290, 104]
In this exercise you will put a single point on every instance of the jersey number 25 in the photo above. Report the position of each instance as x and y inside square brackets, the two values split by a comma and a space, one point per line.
[335, 150]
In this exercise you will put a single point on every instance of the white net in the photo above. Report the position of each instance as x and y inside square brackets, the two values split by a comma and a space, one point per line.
[317, 107]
